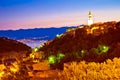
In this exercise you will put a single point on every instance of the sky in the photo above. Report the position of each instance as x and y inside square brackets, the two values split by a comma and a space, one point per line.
[24, 14]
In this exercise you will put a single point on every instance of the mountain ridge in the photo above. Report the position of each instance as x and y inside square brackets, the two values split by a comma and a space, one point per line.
[36, 32]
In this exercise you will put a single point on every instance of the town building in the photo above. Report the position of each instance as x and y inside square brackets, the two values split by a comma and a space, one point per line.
[90, 18]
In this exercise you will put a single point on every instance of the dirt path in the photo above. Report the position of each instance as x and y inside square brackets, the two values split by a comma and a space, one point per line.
[46, 75]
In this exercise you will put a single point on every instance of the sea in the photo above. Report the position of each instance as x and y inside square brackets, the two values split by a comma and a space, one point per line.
[33, 43]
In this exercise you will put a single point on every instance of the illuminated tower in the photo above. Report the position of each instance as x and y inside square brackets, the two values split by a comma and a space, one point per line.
[90, 18]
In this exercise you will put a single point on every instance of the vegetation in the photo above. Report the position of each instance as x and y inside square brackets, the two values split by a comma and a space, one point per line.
[108, 70]
[78, 45]
[92, 55]
[7, 45]
[56, 60]
[14, 71]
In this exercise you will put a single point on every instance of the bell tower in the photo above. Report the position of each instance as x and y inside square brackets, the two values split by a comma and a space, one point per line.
[90, 18]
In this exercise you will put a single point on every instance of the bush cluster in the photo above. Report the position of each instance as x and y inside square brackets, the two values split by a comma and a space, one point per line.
[108, 70]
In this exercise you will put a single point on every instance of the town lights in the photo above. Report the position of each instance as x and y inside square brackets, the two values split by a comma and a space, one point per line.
[14, 68]
[2, 73]
[36, 49]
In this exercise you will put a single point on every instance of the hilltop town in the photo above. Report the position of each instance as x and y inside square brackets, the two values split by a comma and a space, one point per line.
[92, 45]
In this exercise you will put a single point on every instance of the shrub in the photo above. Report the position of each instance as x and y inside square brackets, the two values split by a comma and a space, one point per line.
[108, 70]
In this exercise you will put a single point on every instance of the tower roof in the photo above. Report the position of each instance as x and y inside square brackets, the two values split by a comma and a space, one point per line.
[90, 13]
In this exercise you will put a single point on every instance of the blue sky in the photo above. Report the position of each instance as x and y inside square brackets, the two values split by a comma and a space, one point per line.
[17, 14]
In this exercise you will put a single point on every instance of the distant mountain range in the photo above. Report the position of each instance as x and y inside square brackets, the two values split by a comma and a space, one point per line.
[33, 34]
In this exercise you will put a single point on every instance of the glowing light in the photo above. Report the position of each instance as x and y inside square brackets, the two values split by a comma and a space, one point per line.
[60, 56]
[14, 68]
[103, 48]
[35, 61]
[93, 28]
[52, 59]
[36, 49]
[83, 52]
[2, 73]
[90, 18]
[41, 46]
[32, 55]
[90, 22]
[59, 35]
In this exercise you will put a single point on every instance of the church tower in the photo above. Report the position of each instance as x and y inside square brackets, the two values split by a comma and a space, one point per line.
[90, 18]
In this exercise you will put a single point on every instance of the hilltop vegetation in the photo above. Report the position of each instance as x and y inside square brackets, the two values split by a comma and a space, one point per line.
[97, 43]
[9, 47]
[88, 52]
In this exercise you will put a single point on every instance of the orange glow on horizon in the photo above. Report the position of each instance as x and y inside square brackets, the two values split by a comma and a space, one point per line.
[61, 21]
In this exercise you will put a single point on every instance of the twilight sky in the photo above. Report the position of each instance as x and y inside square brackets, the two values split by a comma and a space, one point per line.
[23, 14]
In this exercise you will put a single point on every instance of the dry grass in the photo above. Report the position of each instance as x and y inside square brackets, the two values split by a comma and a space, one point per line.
[108, 70]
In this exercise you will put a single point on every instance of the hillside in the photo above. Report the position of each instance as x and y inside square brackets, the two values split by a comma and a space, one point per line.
[8, 47]
[97, 43]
